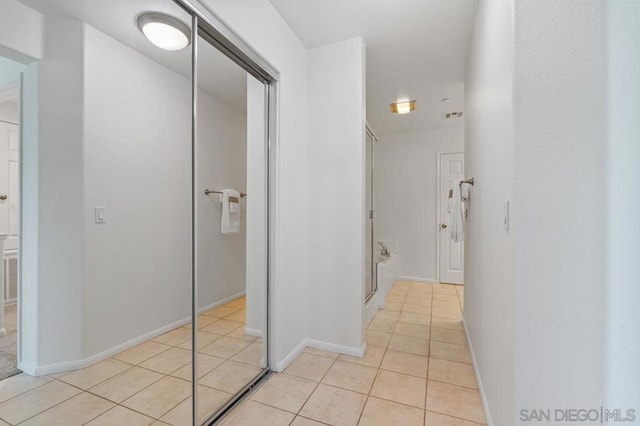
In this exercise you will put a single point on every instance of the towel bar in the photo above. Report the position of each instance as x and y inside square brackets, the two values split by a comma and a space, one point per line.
[208, 191]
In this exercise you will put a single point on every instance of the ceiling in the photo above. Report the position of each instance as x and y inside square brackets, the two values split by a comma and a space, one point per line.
[416, 49]
[217, 74]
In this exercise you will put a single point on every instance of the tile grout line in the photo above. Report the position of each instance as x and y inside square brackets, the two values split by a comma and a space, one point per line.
[47, 409]
[26, 391]
[315, 388]
[366, 401]
[131, 396]
[426, 390]
[457, 418]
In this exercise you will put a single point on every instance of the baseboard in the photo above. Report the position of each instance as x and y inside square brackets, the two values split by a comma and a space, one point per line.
[280, 366]
[86, 362]
[483, 396]
[221, 302]
[253, 332]
[341, 349]
[417, 279]
[317, 344]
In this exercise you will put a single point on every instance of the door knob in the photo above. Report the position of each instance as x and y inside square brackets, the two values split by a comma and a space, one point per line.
[3, 196]
[443, 226]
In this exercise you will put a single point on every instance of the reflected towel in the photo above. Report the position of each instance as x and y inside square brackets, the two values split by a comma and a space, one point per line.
[230, 221]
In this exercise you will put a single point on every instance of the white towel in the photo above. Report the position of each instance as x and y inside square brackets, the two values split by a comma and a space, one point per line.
[455, 207]
[230, 221]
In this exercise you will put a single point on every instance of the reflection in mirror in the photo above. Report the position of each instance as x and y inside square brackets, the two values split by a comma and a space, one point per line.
[231, 228]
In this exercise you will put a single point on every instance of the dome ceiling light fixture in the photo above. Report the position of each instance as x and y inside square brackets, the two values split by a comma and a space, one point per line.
[164, 31]
[403, 107]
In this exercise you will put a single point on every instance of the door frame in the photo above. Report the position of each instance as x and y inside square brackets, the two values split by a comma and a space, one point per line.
[438, 207]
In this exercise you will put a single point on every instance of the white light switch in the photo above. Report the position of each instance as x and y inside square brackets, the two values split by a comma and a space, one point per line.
[101, 215]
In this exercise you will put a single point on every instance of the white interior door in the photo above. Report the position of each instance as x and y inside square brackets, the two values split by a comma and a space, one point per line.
[9, 184]
[451, 252]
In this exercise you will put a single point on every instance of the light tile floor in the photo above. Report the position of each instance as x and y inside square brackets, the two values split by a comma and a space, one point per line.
[416, 371]
[147, 384]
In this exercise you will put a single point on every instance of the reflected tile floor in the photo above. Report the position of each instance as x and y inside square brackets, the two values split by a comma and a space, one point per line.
[149, 384]
[416, 371]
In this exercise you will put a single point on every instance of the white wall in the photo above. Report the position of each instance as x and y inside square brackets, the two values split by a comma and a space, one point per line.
[337, 213]
[488, 274]
[222, 163]
[559, 155]
[60, 197]
[623, 275]
[538, 77]
[258, 23]
[29, 228]
[21, 32]
[256, 209]
[137, 162]
[406, 196]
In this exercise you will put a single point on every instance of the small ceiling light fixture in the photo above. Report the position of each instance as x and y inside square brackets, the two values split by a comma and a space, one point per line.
[403, 107]
[164, 31]
[444, 100]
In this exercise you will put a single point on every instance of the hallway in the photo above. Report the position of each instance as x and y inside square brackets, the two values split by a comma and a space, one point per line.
[417, 371]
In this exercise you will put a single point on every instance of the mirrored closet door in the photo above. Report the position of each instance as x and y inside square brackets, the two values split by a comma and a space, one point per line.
[153, 165]
[231, 226]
